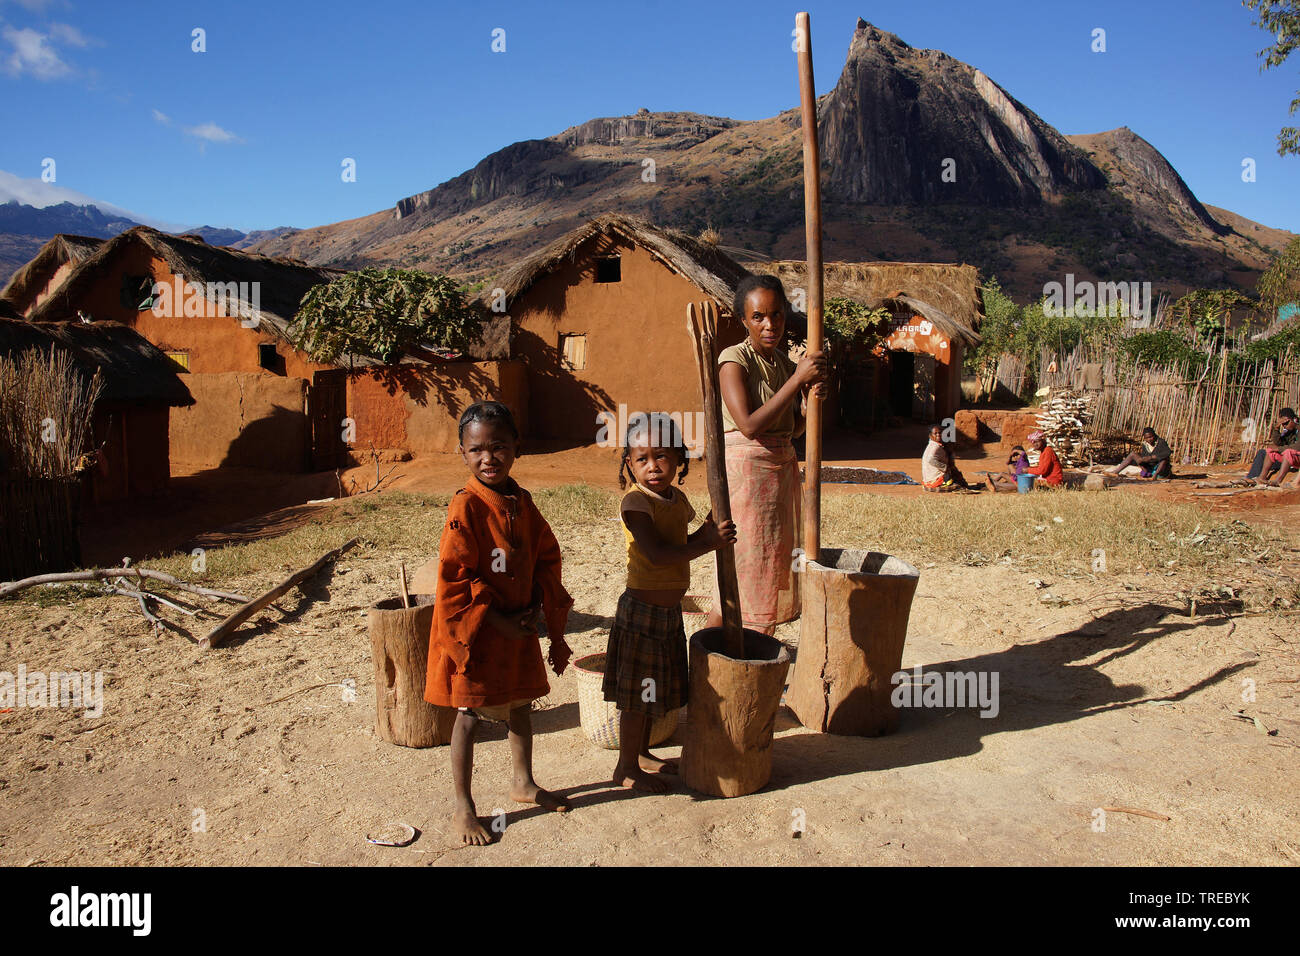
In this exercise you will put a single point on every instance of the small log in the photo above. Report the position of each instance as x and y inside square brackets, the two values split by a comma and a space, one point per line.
[399, 647]
[727, 745]
[851, 634]
[223, 630]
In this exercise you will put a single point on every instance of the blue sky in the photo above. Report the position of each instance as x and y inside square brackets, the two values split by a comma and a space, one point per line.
[252, 132]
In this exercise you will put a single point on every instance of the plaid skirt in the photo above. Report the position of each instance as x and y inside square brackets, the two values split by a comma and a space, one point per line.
[645, 662]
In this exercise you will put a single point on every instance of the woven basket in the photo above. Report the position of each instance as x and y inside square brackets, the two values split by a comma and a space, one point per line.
[695, 611]
[599, 717]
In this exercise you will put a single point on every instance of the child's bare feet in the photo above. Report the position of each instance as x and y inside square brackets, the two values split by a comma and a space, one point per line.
[530, 792]
[652, 764]
[637, 779]
[467, 827]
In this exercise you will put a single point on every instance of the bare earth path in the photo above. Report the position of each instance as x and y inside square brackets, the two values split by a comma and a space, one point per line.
[1119, 701]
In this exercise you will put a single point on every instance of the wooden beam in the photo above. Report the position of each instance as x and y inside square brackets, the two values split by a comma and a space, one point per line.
[223, 630]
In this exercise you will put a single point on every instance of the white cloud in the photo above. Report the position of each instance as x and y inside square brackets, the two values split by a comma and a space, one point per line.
[161, 117]
[69, 35]
[36, 6]
[212, 133]
[33, 54]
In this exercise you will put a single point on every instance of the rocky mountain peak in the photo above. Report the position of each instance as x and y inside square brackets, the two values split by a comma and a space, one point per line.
[906, 126]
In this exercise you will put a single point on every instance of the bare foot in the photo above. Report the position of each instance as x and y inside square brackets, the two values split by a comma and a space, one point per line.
[652, 764]
[531, 793]
[638, 779]
[467, 827]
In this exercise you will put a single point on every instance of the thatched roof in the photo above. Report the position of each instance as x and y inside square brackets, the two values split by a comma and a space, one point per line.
[282, 282]
[132, 368]
[8, 310]
[707, 267]
[25, 284]
[947, 295]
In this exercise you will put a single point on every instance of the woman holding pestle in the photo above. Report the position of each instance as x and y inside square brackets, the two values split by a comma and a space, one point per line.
[764, 398]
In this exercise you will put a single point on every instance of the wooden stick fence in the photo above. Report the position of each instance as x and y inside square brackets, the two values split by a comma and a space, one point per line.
[1217, 416]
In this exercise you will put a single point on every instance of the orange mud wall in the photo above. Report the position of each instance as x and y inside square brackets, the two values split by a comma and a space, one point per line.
[133, 457]
[244, 420]
[948, 356]
[416, 408]
[638, 351]
[243, 415]
[215, 342]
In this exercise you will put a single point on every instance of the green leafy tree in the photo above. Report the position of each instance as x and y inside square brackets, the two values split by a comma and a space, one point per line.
[384, 312]
[1206, 311]
[1280, 283]
[851, 329]
[1281, 18]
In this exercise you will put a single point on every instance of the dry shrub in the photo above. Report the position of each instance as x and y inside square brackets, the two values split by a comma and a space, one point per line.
[46, 411]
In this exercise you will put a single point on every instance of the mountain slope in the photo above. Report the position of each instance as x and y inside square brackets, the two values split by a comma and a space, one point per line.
[1019, 199]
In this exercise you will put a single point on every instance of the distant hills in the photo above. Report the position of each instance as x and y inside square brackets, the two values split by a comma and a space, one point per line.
[24, 229]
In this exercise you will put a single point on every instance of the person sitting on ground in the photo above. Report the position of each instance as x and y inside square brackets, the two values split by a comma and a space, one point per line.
[1153, 459]
[1048, 471]
[938, 465]
[1283, 450]
[1282, 438]
[1017, 464]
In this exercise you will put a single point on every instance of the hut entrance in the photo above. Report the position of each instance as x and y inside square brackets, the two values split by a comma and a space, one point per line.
[327, 402]
[923, 387]
[902, 369]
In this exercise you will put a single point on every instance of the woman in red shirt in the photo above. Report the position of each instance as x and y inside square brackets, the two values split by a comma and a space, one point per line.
[1048, 469]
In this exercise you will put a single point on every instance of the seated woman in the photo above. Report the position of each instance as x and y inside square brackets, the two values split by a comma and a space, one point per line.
[939, 466]
[1017, 464]
[1048, 471]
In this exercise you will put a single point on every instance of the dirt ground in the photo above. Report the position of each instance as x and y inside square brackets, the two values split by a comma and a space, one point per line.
[1120, 700]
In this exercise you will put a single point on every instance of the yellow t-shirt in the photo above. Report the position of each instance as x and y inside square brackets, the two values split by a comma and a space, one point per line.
[763, 379]
[671, 516]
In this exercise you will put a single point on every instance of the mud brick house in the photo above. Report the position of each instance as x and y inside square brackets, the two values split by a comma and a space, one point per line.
[33, 283]
[140, 387]
[935, 310]
[599, 321]
[223, 316]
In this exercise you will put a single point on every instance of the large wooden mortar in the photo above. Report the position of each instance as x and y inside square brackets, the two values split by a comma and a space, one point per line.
[855, 610]
[399, 647]
[727, 745]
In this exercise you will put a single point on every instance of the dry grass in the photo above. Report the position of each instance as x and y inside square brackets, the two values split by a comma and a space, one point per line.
[1177, 544]
[46, 408]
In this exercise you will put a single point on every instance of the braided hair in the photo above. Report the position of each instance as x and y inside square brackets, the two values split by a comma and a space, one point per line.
[658, 430]
[487, 412]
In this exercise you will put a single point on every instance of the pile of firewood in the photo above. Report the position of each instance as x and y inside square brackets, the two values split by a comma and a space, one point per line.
[1064, 420]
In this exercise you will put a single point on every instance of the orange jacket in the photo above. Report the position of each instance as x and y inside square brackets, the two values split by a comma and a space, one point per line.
[1048, 467]
[496, 551]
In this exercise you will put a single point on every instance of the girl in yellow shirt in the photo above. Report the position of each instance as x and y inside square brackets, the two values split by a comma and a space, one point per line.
[645, 661]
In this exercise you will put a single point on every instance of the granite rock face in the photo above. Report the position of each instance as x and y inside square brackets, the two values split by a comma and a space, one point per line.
[907, 126]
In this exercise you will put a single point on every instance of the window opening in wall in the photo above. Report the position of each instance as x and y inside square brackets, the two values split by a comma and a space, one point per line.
[609, 269]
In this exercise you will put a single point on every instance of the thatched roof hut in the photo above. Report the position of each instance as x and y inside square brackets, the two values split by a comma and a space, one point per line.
[281, 282]
[133, 370]
[25, 285]
[947, 295]
[705, 265]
